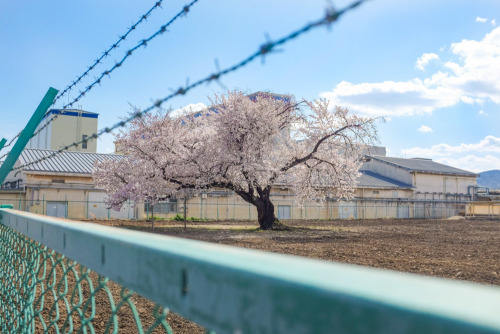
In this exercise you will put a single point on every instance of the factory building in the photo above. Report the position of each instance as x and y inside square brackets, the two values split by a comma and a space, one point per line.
[67, 126]
[388, 187]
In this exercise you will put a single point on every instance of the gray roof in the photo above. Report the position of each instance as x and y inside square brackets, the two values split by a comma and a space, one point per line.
[372, 180]
[64, 162]
[421, 165]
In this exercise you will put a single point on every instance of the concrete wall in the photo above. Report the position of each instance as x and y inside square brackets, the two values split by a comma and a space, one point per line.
[490, 209]
[14, 197]
[382, 193]
[433, 183]
[65, 130]
[69, 129]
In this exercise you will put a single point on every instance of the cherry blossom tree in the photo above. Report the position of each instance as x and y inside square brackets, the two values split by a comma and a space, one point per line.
[243, 145]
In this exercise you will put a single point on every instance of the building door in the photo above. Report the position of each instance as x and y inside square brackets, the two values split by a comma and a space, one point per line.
[403, 210]
[284, 211]
[56, 209]
[347, 210]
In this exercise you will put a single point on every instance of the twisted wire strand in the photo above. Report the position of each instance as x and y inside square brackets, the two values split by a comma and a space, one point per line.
[330, 17]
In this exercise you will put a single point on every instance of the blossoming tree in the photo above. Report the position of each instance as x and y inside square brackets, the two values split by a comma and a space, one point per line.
[243, 145]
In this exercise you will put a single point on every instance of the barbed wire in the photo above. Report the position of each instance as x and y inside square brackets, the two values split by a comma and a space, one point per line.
[105, 54]
[142, 43]
[331, 16]
[108, 51]
[8, 144]
[129, 53]
[4, 155]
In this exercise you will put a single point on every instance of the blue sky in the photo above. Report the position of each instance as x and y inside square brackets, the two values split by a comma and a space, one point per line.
[431, 67]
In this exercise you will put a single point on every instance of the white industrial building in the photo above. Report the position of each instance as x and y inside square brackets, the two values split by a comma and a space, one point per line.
[62, 127]
[388, 187]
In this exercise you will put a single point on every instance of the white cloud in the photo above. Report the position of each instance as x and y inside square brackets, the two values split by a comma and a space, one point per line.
[494, 22]
[424, 60]
[193, 107]
[473, 77]
[425, 129]
[392, 98]
[473, 163]
[481, 19]
[482, 113]
[490, 144]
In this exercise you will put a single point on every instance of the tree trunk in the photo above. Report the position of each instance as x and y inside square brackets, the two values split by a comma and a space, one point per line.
[265, 213]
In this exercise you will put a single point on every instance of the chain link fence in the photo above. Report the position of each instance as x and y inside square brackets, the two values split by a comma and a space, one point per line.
[234, 208]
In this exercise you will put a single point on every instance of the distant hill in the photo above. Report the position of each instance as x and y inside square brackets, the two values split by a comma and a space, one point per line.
[490, 179]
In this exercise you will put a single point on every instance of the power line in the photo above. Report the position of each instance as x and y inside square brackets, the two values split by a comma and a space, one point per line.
[330, 17]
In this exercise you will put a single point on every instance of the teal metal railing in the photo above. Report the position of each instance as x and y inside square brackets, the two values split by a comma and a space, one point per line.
[52, 270]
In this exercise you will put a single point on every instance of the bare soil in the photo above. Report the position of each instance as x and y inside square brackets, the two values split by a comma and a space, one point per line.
[452, 248]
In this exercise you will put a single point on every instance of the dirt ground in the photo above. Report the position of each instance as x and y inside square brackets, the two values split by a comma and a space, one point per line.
[452, 248]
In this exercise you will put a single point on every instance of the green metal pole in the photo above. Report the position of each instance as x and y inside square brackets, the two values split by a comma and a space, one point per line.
[26, 134]
[2, 143]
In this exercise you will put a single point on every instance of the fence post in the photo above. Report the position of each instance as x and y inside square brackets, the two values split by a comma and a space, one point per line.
[185, 209]
[43, 204]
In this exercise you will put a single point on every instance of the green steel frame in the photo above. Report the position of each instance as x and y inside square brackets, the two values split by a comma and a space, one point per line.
[234, 290]
[26, 134]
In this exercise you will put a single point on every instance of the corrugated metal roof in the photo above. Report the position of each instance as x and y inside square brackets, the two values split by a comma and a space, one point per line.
[64, 162]
[372, 180]
[422, 165]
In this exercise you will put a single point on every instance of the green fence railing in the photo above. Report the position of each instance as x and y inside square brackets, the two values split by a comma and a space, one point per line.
[57, 276]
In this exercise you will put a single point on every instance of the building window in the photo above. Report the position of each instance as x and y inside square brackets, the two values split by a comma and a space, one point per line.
[84, 142]
[168, 206]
